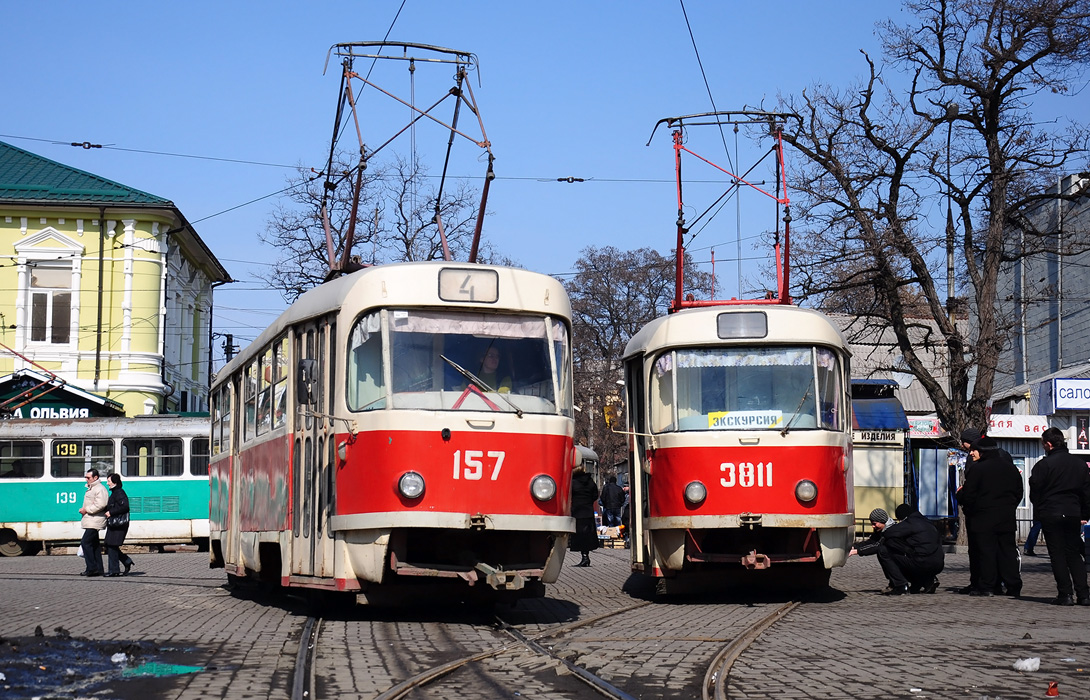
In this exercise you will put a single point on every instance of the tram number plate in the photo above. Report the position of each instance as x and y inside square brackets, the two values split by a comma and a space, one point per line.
[472, 464]
[745, 474]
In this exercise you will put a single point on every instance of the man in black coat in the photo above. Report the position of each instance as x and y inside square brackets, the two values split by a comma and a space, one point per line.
[612, 501]
[1059, 487]
[968, 437]
[909, 551]
[990, 496]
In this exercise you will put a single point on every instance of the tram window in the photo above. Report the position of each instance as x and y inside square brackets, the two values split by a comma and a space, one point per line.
[830, 392]
[70, 459]
[217, 420]
[735, 389]
[22, 459]
[510, 355]
[250, 387]
[152, 457]
[264, 395]
[280, 388]
[662, 394]
[198, 459]
[366, 390]
[331, 395]
[227, 400]
[561, 353]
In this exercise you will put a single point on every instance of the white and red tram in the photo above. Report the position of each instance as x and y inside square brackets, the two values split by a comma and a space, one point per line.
[363, 443]
[741, 436]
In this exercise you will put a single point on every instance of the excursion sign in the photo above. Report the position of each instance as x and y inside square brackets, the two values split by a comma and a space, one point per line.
[745, 420]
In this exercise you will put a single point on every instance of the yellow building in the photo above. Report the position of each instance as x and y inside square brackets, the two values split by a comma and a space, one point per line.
[107, 287]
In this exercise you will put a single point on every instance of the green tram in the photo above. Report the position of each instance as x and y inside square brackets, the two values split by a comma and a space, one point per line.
[162, 458]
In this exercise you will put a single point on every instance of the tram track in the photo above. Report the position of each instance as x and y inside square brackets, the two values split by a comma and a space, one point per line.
[516, 642]
[715, 680]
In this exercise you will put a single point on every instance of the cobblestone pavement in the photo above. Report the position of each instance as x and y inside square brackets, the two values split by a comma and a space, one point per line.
[852, 643]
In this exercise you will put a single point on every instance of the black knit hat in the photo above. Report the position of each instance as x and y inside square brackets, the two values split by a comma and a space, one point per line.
[903, 511]
[970, 435]
[985, 443]
[879, 516]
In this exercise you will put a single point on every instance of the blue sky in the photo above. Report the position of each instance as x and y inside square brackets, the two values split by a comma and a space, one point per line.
[566, 89]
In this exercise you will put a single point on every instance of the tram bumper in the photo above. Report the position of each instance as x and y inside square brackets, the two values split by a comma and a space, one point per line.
[751, 540]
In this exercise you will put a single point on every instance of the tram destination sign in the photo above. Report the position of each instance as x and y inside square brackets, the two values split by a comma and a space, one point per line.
[1071, 394]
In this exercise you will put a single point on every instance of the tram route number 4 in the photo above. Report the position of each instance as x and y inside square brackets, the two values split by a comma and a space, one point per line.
[474, 464]
[746, 474]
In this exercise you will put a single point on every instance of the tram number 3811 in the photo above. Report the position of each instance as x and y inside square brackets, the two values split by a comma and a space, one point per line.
[475, 464]
[746, 474]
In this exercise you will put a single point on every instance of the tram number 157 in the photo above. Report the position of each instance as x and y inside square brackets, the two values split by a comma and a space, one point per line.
[471, 465]
[746, 474]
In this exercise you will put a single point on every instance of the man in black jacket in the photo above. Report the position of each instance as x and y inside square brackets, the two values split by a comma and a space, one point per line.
[968, 437]
[910, 551]
[1059, 487]
[612, 501]
[990, 496]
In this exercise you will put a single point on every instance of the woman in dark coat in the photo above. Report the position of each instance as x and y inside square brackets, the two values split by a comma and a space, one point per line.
[584, 492]
[117, 527]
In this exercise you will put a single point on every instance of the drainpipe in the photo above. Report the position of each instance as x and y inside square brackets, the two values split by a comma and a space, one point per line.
[101, 264]
[1060, 274]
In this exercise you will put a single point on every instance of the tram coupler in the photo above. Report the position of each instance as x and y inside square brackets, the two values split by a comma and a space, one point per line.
[753, 560]
[501, 580]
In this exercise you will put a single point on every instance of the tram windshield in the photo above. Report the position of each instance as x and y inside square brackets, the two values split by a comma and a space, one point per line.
[739, 388]
[459, 360]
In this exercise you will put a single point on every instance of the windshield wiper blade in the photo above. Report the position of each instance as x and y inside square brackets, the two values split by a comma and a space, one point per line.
[481, 384]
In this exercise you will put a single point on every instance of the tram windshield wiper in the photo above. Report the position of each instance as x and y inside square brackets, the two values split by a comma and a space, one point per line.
[480, 383]
[795, 417]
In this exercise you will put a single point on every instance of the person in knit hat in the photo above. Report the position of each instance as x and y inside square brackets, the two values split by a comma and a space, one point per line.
[879, 516]
[968, 437]
[909, 551]
[990, 497]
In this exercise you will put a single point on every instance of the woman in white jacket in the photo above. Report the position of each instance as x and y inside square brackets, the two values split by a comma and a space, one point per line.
[94, 519]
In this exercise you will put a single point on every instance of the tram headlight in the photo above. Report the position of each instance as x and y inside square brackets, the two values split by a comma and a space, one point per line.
[543, 488]
[806, 490]
[411, 485]
[695, 492]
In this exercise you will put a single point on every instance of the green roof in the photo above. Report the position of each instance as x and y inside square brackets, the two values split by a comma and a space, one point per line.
[26, 177]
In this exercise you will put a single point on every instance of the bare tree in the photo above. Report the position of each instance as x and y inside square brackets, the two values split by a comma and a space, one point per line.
[881, 161]
[615, 293]
[395, 222]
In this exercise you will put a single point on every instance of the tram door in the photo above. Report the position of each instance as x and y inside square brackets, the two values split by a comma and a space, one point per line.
[233, 530]
[637, 464]
[312, 549]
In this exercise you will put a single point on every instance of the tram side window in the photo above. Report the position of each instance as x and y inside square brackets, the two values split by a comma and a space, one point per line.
[22, 459]
[72, 458]
[250, 387]
[152, 457]
[561, 353]
[198, 460]
[366, 389]
[280, 388]
[264, 394]
[217, 420]
[830, 393]
[662, 394]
